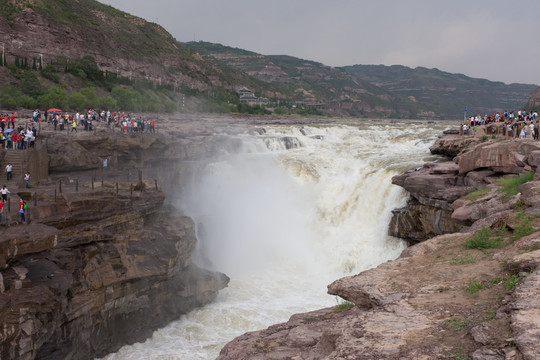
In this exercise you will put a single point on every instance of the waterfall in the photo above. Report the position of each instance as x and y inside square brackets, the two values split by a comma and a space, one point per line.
[285, 214]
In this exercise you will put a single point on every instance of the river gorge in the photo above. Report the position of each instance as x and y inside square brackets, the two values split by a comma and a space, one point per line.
[284, 210]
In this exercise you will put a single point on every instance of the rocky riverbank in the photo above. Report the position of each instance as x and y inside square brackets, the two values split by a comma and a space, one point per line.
[469, 288]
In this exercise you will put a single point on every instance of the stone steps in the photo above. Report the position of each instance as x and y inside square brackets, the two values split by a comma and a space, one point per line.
[17, 158]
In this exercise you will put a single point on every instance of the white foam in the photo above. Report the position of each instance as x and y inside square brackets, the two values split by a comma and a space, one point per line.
[283, 224]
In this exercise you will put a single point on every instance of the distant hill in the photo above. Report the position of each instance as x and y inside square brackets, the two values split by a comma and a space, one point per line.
[370, 90]
[310, 83]
[443, 92]
[82, 53]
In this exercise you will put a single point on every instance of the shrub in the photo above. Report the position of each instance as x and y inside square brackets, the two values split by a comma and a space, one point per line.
[49, 72]
[510, 185]
[482, 240]
[54, 97]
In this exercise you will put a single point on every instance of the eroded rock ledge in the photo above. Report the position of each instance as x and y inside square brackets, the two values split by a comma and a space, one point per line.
[106, 274]
[97, 269]
[424, 305]
[437, 206]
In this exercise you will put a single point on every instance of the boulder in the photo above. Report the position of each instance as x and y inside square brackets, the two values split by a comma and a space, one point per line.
[502, 157]
[452, 145]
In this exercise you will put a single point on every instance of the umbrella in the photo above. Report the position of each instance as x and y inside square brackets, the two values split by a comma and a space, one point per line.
[54, 110]
[8, 131]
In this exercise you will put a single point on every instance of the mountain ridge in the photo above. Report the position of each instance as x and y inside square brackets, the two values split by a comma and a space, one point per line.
[125, 48]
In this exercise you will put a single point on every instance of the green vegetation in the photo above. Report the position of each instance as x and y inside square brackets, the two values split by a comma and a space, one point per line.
[212, 71]
[532, 247]
[475, 195]
[473, 287]
[522, 228]
[343, 306]
[511, 283]
[482, 240]
[457, 324]
[459, 356]
[510, 185]
[488, 238]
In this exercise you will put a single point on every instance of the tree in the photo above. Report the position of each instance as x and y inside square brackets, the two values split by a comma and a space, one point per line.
[77, 101]
[7, 98]
[91, 97]
[49, 72]
[30, 84]
[54, 97]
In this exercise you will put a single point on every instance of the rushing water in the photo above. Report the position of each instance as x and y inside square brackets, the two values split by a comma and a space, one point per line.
[284, 223]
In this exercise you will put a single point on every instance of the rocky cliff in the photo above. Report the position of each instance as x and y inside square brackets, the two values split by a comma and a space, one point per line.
[120, 43]
[97, 268]
[470, 294]
[534, 100]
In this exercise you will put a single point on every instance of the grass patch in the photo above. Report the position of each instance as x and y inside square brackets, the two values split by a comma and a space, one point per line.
[457, 324]
[511, 283]
[460, 356]
[473, 287]
[532, 247]
[343, 306]
[463, 259]
[522, 228]
[475, 195]
[510, 185]
[482, 240]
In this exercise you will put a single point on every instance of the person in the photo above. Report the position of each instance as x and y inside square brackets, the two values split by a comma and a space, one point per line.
[55, 122]
[1, 211]
[74, 125]
[27, 179]
[9, 173]
[22, 210]
[4, 191]
[105, 163]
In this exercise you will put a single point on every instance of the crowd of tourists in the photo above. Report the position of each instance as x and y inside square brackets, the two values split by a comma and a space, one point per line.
[18, 139]
[127, 123]
[24, 136]
[522, 124]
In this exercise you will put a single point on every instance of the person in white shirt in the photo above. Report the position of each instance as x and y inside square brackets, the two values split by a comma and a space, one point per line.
[9, 173]
[4, 191]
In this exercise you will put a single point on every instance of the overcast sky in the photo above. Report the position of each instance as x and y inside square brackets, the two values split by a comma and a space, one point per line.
[492, 39]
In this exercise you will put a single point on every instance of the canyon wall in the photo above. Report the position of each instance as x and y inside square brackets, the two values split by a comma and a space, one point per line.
[99, 268]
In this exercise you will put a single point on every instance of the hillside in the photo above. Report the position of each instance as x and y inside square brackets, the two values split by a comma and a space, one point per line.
[443, 92]
[77, 54]
[120, 43]
[69, 46]
[310, 83]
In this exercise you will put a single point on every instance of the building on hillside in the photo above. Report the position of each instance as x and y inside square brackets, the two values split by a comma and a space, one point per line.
[248, 97]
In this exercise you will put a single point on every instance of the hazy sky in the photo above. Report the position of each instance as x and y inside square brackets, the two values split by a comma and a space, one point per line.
[493, 39]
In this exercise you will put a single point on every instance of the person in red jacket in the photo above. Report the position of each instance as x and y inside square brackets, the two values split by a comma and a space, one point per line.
[22, 210]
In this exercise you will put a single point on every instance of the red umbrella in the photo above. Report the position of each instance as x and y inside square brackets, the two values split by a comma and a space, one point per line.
[54, 110]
